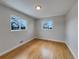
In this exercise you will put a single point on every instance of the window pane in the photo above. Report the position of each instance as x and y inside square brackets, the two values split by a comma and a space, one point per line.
[48, 25]
[17, 23]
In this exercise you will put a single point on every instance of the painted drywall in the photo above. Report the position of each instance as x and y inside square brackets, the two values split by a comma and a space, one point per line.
[71, 30]
[8, 38]
[57, 33]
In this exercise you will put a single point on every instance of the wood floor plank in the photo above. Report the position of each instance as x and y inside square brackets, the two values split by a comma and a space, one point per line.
[40, 49]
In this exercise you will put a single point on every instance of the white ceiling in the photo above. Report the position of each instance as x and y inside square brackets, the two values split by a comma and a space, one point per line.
[49, 7]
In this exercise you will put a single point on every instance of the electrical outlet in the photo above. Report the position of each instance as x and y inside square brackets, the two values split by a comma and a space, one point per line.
[21, 41]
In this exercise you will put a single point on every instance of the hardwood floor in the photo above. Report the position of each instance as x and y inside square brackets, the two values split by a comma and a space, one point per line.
[40, 49]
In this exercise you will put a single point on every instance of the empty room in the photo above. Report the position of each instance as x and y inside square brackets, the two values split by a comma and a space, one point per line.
[38, 29]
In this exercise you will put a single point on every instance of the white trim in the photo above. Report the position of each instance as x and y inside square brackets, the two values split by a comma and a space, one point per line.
[15, 47]
[53, 40]
[70, 50]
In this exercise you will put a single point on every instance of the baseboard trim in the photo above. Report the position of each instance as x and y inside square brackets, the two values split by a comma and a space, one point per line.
[5, 52]
[52, 40]
[70, 50]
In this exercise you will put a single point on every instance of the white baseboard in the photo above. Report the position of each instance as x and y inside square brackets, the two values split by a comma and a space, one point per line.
[15, 47]
[71, 50]
[53, 40]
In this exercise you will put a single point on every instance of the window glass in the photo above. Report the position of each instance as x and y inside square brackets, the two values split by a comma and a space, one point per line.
[17, 23]
[47, 25]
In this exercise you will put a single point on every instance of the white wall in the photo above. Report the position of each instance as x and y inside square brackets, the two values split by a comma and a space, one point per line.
[8, 39]
[71, 30]
[57, 33]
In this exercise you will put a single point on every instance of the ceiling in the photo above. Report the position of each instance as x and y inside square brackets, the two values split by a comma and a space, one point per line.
[49, 7]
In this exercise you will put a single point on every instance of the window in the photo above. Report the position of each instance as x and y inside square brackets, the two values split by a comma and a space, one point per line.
[47, 25]
[17, 23]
